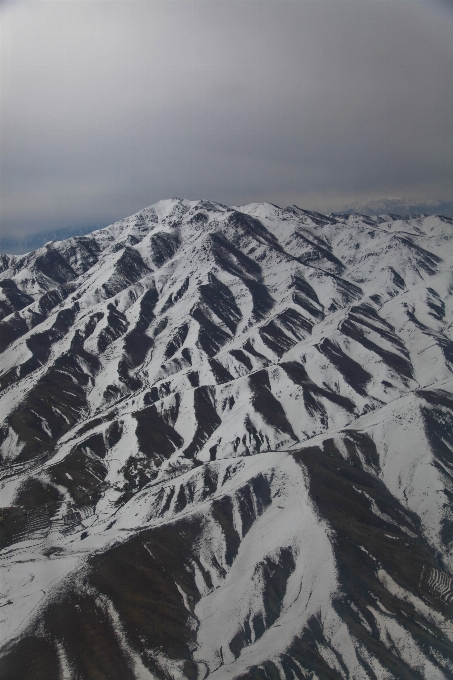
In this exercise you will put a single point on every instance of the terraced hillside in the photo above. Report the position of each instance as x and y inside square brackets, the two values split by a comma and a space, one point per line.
[227, 448]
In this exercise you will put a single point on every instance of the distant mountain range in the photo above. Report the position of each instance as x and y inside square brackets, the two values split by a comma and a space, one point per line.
[25, 244]
[398, 206]
[226, 448]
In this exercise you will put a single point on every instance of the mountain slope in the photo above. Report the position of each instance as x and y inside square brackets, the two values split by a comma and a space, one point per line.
[226, 448]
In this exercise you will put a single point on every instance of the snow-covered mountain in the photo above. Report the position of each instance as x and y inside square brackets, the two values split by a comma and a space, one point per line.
[227, 448]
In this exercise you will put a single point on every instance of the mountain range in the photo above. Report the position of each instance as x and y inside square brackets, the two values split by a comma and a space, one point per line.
[227, 448]
[399, 207]
[393, 207]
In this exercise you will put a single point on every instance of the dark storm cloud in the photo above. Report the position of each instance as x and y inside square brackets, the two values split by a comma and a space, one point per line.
[111, 106]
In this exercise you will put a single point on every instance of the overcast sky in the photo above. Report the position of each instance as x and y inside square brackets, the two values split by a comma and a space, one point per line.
[109, 106]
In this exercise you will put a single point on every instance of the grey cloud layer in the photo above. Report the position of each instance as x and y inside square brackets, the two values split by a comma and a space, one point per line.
[111, 106]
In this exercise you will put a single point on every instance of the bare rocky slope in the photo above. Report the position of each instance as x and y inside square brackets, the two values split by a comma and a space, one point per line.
[227, 448]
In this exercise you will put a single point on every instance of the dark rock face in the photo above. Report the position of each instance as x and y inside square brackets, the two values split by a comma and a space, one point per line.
[226, 448]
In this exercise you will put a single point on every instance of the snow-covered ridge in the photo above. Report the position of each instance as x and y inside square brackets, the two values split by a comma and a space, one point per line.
[240, 420]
